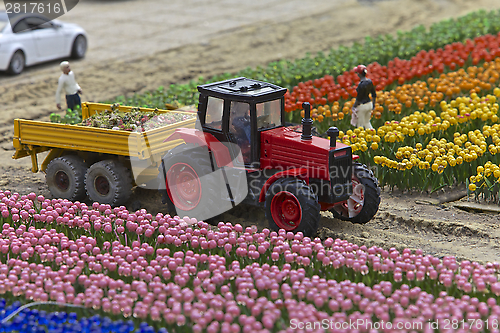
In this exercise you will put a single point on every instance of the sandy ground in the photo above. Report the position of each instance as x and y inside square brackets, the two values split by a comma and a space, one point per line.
[139, 45]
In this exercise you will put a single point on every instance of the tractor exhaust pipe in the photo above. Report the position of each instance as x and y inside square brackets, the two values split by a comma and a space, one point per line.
[306, 122]
[333, 133]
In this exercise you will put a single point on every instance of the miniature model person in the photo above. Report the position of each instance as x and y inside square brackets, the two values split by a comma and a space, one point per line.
[239, 126]
[363, 106]
[68, 85]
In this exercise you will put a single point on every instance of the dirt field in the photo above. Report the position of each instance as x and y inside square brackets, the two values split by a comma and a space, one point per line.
[146, 46]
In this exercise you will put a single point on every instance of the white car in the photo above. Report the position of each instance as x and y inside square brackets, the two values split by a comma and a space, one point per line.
[32, 39]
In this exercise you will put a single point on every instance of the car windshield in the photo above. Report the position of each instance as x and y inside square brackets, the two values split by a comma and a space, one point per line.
[4, 20]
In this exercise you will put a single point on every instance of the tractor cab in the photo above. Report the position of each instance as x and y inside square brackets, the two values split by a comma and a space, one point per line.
[236, 111]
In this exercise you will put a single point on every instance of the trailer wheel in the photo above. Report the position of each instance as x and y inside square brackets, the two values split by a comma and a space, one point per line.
[108, 182]
[293, 206]
[363, 204]
[65, 177]
[188, 184]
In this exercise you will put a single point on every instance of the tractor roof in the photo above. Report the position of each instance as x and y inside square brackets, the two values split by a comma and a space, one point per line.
[243, 89]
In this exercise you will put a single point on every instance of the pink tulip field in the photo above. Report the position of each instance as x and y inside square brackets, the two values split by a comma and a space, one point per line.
[182, 275]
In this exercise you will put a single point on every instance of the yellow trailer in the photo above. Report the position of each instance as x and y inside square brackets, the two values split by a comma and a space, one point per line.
[104, 164]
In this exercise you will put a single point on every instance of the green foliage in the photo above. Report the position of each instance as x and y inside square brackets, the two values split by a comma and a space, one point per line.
[71, 116]
[379, 49]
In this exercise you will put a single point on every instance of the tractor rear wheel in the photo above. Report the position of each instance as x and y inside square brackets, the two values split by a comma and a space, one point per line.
[293, 206]
[65, 177]
[363, 204]
[108, 182]
[188, 183]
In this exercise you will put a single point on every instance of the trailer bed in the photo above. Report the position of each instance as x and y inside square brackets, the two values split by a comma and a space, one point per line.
[32, 137]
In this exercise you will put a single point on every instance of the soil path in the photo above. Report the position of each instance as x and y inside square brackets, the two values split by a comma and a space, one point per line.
[138, 45]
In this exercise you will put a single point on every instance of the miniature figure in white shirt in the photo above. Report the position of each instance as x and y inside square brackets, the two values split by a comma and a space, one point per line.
[68, 85]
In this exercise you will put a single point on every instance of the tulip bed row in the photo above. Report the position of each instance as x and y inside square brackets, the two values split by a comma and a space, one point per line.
[15, 317]
[413, 148]
[184, 275]
[423, 94]
[417, 151]
[380, 49]
[465, 114]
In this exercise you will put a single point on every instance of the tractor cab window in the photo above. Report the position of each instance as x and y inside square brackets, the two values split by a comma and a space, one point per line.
[269, 114]
[215, 108]
[240, 127]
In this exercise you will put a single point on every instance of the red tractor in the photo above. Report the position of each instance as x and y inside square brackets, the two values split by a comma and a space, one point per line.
[241, 151]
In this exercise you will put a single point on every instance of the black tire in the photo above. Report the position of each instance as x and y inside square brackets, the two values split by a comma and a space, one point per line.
[370, 196]
[303, 207]
[165, 199]
[65, 177]
[79, 47]
[108, 182]
[197, 195]
[17, 63]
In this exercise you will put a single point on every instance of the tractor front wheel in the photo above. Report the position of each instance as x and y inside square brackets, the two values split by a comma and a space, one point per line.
[293, 206]
[363, 204]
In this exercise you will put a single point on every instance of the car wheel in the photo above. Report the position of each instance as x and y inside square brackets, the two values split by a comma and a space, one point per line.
[17, 63]
[79, 47]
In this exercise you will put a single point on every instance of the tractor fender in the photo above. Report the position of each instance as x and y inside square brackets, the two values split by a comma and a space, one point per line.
[200, 138]
[300, 173]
